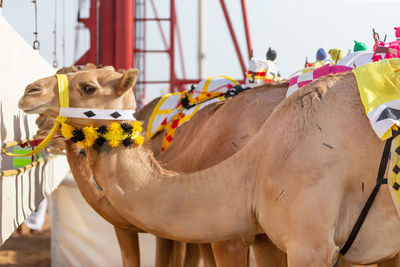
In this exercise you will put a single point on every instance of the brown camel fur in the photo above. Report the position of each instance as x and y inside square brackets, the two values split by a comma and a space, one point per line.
[127, 234]
[262, 99]
[191, 151]
[282, 175]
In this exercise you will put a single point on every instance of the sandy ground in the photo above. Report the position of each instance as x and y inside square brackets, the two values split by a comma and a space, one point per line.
[26, 249]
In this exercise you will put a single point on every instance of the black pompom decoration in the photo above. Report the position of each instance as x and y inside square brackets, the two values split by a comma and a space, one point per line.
[100, 141]
[127, 128]
[102, 130]
[127, 141]
[78, 135]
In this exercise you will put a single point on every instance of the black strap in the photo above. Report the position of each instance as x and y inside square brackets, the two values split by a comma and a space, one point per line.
[232, 92]
[379, 181]
[235, 90]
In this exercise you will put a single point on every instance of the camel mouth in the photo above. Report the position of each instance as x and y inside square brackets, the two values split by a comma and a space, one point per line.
[33, 110]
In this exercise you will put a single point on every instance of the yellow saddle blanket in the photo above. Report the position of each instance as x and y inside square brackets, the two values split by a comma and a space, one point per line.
[170, 113]
[379, 87]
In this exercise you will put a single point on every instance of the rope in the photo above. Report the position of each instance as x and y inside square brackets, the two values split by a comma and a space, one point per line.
[12, 172]
[77, 31]
[15, 143]
[24, 143]
[63, 30]
[55, 63]
[36, 43]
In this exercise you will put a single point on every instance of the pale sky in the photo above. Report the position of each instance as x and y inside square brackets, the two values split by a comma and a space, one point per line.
[294, 28]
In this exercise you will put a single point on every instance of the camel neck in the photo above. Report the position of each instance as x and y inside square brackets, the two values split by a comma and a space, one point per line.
[197, 207]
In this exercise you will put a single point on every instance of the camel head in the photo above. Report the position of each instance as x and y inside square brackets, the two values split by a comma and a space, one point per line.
[96, 88]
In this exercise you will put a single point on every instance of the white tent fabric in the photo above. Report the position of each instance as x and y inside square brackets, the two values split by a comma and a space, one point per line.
[80, 237]
[20, 194]
[35, 221]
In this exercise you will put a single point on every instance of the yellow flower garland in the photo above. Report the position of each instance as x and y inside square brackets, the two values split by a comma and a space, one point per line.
[115, 134]
[66, 130]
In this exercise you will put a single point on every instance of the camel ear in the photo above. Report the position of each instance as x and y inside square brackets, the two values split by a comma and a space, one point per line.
[127, 81]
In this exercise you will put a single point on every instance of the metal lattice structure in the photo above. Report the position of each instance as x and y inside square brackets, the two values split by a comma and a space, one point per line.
[118, 37]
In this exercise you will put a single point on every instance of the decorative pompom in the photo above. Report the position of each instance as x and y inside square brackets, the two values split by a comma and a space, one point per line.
[114, 143]
[114, 134]
[78, 135]
[137, 126]
[100, 141]
[90, 135]
[127, 141]
[127, 128]
[102, 130]
[138, 140]
[114, 127]
[66, 130]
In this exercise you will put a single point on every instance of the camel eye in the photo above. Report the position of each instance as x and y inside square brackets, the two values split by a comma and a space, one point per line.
[88, 89]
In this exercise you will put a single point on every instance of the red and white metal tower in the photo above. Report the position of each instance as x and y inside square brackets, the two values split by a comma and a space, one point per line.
[118, 37]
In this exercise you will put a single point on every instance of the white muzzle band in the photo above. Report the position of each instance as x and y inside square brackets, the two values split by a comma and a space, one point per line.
[98, 114]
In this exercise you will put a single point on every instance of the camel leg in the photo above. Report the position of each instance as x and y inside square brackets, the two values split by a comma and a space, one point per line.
[164, 248]
[129, 244]
[192, 255]
[231, 253]
[266, 253]
[179, 253]
[207, 255]
[394, 262]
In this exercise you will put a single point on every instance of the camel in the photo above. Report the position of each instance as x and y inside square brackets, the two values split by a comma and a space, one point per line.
[257, 104]
[262, 101]
[191, 151]
[265, 255]
[276, 177]
[167, 252]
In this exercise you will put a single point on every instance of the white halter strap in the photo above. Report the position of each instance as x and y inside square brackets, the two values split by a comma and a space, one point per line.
[98, 114]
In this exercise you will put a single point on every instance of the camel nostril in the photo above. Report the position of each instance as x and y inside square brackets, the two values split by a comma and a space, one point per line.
[34, 90]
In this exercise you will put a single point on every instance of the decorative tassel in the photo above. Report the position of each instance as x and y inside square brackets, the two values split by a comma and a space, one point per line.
[138, 140]
[90, 135]
[66, 130]
[115, 134]
[102, 130]
[137, 126]
[78, 135]
[127, 142]
[100, 141]
[127, 128]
